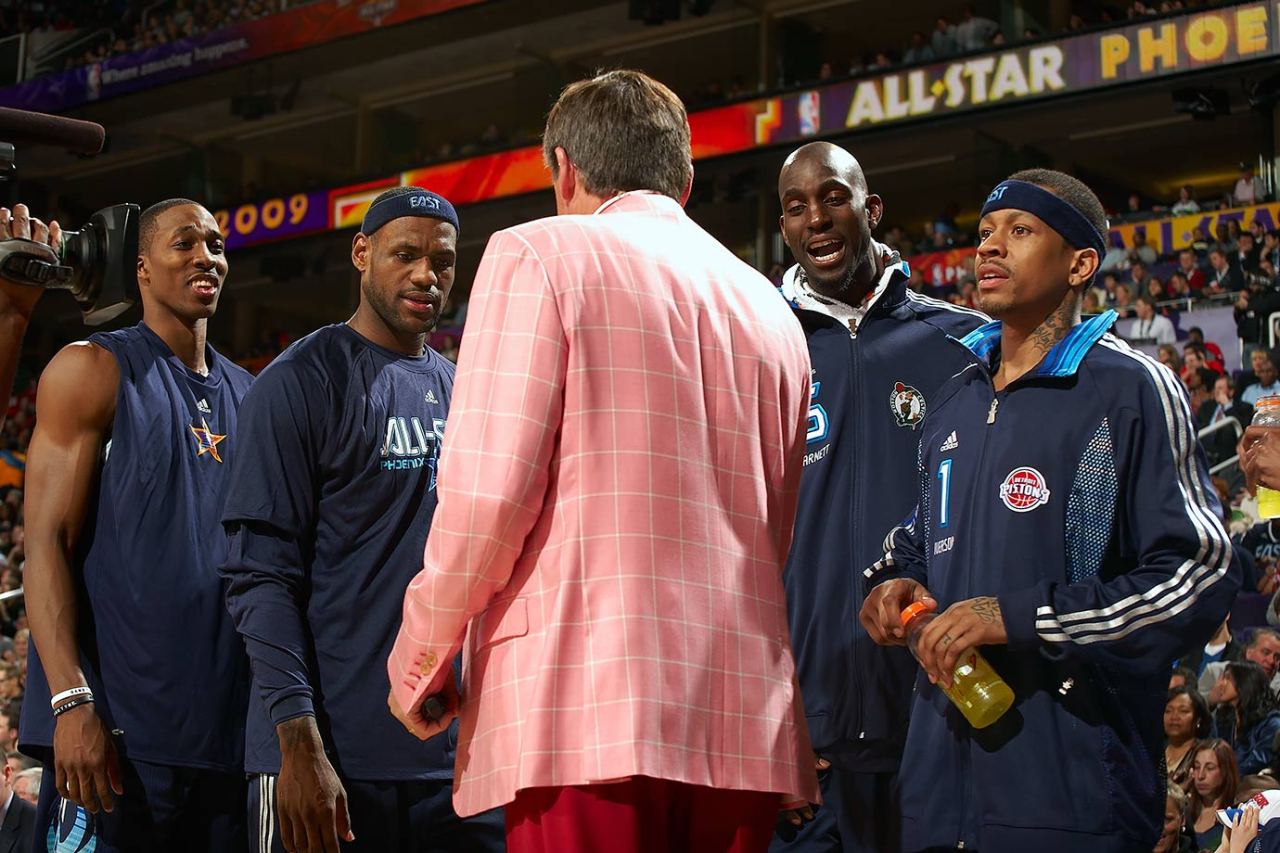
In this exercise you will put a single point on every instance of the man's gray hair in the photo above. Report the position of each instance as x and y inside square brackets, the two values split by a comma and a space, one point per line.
[623, 131]
[1259, 633]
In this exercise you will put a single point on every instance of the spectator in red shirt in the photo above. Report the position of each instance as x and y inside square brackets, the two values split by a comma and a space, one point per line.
[1194, 357]
[1191, 270]
[1212, 352]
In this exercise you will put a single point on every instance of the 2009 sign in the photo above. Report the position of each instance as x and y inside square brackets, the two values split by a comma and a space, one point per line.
[270, 215]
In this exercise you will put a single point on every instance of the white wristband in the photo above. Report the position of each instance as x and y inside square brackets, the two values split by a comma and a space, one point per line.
[70, 694]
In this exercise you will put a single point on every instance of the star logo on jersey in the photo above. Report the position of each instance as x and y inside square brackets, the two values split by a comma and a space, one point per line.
[206, 440]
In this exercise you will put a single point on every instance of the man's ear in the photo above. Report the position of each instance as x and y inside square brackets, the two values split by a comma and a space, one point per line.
[875, 210]
[360, 252]
[565, 177]
[1084, 266]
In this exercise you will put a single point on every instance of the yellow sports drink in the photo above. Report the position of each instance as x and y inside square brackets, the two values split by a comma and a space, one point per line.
[976, 689]
[1268, 415]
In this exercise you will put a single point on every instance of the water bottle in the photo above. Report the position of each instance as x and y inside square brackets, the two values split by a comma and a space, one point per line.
[976, 689]
[1267, 414]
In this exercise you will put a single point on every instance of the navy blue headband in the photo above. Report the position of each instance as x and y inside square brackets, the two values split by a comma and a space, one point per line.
[420, 202]
[1054, 211]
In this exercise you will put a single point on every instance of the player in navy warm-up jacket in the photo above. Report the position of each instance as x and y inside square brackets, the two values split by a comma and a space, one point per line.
[1067, 525]
[879, 353]
[328, 512]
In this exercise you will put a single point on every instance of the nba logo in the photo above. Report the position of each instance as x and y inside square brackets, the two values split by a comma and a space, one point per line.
[810, 110]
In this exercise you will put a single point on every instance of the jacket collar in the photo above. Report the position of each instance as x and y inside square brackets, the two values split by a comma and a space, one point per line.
[640, 201]
[890, 290]
[1065, 357]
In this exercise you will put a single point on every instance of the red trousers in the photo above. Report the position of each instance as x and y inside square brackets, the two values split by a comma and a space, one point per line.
[640, 815]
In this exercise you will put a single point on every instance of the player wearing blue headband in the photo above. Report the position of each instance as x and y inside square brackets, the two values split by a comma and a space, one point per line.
[327, 518]
[1066, 524]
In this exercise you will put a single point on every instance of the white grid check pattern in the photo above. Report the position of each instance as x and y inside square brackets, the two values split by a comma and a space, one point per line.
[617, 491]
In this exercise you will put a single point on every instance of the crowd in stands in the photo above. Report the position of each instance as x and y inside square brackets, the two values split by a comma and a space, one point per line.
[950, 36]
[1235, 265]
[14, 636]
[114, 27]
[1221, 724]
[127, 27]
[175, 21]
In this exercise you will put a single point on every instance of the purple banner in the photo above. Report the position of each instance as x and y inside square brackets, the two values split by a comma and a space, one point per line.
[1140, 51]
[302, 27]
[130, 72]
[274, 219]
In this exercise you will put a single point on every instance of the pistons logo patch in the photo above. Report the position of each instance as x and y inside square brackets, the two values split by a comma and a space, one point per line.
[1024, 490]
[907, 404]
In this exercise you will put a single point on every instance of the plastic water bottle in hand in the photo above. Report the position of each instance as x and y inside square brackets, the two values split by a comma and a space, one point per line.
[1268, 415]
[976, 689]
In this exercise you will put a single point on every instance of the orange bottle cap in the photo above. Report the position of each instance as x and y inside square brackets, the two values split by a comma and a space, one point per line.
[913, 610]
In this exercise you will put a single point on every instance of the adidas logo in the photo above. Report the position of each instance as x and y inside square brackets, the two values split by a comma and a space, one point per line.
[203, 406]
[950, 444]
[431, 397]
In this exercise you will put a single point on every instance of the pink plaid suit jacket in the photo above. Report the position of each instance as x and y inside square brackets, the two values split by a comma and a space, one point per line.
[617, 490]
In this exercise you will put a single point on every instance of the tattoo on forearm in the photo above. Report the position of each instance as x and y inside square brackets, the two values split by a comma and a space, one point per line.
[291, 735]
[295, 732]
[988, 609]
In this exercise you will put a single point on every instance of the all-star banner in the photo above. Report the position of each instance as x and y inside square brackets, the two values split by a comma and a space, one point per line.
[305, 26]
[1241, 33]
[1138, 52]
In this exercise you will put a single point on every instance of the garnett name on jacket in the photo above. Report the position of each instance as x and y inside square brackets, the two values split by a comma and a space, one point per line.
[816, 455]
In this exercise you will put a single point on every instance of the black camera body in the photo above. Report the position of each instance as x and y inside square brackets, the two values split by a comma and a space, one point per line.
[103, 257]
[96, 264]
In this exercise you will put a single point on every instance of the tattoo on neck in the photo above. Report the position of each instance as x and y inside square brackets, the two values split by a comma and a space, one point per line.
[987, 609]
[1055, 327]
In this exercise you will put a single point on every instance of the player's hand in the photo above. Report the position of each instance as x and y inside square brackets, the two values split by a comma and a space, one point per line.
[1259, 450]
[417, 724]
[87, 769]
[798, 817]
[19, 224]
[1244, 830]
[311, 804]
[882, 609]
[961, 628]
[798, 814]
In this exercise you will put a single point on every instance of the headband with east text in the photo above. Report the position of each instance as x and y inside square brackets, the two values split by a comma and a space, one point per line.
[1055, 212]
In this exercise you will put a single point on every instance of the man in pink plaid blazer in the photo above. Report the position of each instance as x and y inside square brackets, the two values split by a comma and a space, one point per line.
[616, 495]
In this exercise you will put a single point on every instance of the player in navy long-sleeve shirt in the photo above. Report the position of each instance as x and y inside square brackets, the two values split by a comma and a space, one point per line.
[327, 514]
